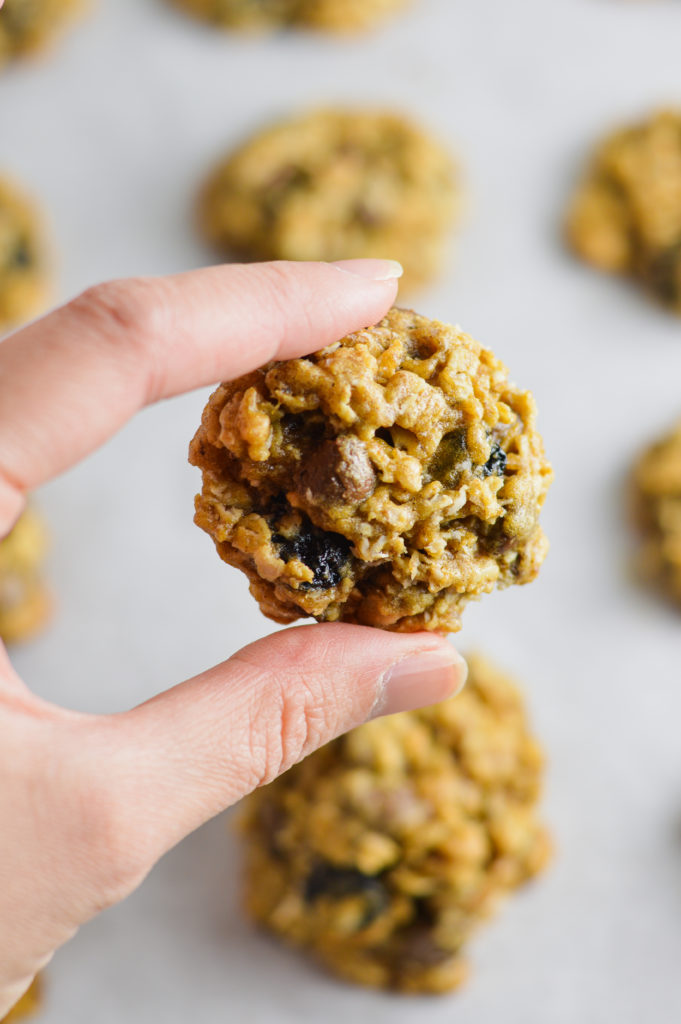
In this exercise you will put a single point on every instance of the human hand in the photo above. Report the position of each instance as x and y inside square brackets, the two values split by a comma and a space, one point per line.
[89, 803]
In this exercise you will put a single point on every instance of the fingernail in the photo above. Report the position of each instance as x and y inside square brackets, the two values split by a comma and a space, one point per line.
[373, 270]
[422, 679]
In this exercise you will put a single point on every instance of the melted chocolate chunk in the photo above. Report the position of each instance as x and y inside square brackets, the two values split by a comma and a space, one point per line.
[450, 452]
[496, 463]
[325, 553]
[338, 470]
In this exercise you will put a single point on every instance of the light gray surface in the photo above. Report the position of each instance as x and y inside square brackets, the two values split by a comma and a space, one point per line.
[113, 131]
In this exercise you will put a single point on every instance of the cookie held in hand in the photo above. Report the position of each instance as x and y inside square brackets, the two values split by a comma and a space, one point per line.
[386, 480]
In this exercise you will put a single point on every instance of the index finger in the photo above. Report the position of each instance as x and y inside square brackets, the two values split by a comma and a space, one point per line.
[75, 377]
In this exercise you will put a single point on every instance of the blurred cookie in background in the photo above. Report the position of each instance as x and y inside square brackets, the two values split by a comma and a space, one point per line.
[24, 274]
[657, 493]
[383, 851]
[327, 15]
[29, 1004]
[24, 599]
[626, 215]
[335, 184]
[27, 26]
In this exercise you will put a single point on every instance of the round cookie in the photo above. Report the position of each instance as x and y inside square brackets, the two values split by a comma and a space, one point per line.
[29, 1004]
[385, 480]
[331, 185]
[24, 599]
[24, 279]
[29, 25]
[383, 851]
[657, 487]
[328, 15]
[626, 216]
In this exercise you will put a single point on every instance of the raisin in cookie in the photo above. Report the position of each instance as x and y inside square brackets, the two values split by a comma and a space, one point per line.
[328, 15]
[28, 25]
[24, 278]
[626, 216]
[24, 600]
[383, 851]
[335, 184]
[657, 487]
[28, 1004]
[385, 480]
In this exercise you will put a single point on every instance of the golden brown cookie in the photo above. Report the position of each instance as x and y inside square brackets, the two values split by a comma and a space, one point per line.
[24, 277]
[626, 216]
[30, 25]
[384, 850]
[328, 15]
[24, 599]
[385, 480]
[657, 487]
[335, 184]
[29, 1004]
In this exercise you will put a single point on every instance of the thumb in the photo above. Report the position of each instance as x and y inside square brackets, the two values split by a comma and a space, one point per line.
[194, 750]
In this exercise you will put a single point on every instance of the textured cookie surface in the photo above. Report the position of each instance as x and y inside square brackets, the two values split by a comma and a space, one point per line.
[385, 849]
[28, 1004]
[385, 480]
[657, 483]
[331, 15]
[24, 601]
[24, 279]
[28, 25]
[332, 185]
[626, 216]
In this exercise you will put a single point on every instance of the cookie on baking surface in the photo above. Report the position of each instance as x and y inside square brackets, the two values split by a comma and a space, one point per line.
[657, 485]
[626, 216]
[385, 480]
[29, 25]
[384, 850]
[335, 184]
[29, 1003]
[24, 599]
[24, 278]
[328, 15]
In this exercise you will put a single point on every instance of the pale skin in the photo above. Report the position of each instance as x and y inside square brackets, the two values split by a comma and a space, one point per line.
[89, 803]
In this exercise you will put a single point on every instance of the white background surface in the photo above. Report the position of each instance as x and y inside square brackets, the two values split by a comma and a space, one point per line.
[113, 131]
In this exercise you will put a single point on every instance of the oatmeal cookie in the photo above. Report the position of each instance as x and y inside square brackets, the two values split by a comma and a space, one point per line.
[657, 489]
[626, 216]
[23, 275]
[28, 1004]
[382, 851]
[385, 480]
[28, 25]
[331, 185]
[328, 15]
[24, 600]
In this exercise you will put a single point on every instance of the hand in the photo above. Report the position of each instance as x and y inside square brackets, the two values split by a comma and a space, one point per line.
[89, 803]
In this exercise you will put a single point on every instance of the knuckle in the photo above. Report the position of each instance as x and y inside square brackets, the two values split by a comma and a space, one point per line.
[299, 721]
[130, 308]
